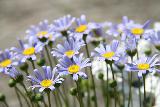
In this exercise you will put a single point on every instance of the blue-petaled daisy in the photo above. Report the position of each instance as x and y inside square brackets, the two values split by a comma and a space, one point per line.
[45, 80]
[144, 64]
[27, 51]
[40, 32]
[107, 52]
[13, 73]
[82, 28]
[6, 60]
[120, 29]
[73, 66]
[138, 30]
[70, 48]
[154, 38]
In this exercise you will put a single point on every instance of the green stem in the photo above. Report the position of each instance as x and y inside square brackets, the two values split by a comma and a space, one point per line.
[19, 99]
[6, 103]
[123, 88]
[59, 99]
[48, 55]
[107, 87]
[79, 94]
[66, 96]
[23, 96]
[22, 84]
[45, 105]
[115, 91]
[144, 77]
[88, 97]
[92, 78]
[130, 88]
[49, 99]
[55, 98]
[139, 89]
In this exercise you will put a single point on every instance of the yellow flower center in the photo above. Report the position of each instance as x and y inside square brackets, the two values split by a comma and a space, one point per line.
[81, 28]
[29, 51]
[108, 54]
[46, 83]
[42, 33]
[143, 66]
[137, 31]
[5, 63]
[74, 69]
[69, 53]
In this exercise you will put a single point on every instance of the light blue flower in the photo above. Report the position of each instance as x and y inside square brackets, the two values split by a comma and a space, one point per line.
[40, 32]
[120, 29]
[70, 48]
[144, 64]
[73, 66]
[131, 44]
[27, 51]
[107, 52]
[7, 60]
[62, 25]
[13, 73]
[45, 80]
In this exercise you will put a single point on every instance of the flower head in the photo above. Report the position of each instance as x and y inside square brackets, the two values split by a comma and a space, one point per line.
[45, 80]
[69, 48]
[14, 73]
[107, 52]
[27, 51]
[144, 64]
[73, 66]
[6, 60]
[42, 31]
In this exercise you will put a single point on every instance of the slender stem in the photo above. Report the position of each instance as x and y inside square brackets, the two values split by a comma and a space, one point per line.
[6, 103]
[59, 99]
[123, 88]
[107, 87]
[49, 99]
[144, 77]
[33, 65]
[79, 94]
[130, 88]
[19, 99]
[66, 96]
[55, 98]
[45, 105]
[49, 58]
[115, 91]
[27, 93]
[139, 89]
[19, 91]
[92, 78]
[104, 92]
[88, 97]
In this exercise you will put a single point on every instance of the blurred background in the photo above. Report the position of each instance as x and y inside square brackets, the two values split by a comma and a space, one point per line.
[17, 15]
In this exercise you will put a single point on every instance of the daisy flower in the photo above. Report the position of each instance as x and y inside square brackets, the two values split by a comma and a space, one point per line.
[82, 28]
[6, 60]
[107, 52]
[27, 51]
[61, 25]
[69, 48]
[45, 80]
[154, 38]
[14, 73]
[119, 29]
[73, 66]
[42, 31]
[138, 30]
[144, 64]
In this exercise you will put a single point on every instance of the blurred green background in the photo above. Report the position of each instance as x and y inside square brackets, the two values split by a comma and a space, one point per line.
[17, 15]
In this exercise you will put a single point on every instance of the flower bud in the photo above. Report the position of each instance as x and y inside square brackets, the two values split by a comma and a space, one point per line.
[132, 52]
[100, 76]
[38, 97]
[12, 83]
[24, 66]
[41, 62]
[19, 78]
[73, 91]
[157, 47]
[113, 83]
[2, 97]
